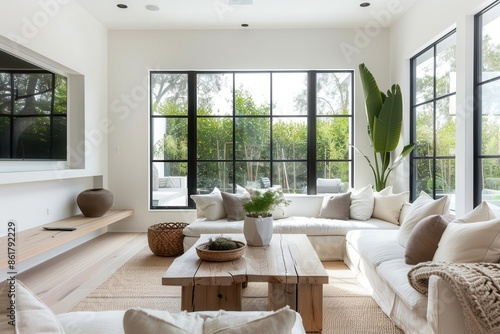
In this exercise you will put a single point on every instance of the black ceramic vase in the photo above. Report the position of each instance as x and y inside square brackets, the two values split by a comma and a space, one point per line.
[95, 202]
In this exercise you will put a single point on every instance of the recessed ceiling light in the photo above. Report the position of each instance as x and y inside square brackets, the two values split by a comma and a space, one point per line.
[364, 4]
[152, 8]
[244, 25]
[122, 5]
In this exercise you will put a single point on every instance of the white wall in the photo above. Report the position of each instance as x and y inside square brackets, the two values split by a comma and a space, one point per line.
[58, 34]
[133, 53]
[422, 25]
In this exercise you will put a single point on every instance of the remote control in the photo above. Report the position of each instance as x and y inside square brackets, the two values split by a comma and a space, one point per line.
[49, 228]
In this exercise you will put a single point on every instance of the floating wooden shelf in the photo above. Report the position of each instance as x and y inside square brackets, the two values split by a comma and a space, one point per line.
[34, 241]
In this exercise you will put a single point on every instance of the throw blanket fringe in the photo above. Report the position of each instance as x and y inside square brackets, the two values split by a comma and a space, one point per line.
[477, 286]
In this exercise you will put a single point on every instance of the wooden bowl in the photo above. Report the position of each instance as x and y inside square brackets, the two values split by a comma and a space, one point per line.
[220, 255]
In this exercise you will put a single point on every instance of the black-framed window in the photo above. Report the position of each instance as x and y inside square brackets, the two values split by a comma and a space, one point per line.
[487, 106]
[433, 117]
[233, 129]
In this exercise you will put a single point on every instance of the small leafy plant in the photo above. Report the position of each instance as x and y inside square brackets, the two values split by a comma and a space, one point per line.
[222, 243]
[262, 203]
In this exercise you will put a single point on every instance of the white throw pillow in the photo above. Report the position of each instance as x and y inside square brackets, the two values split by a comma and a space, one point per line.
[361, 203]
[388, 207]
[32, 315]
[481, 213]
[146, 321]
[422, 207]
[470, 242]
[278, 322]
[211, 205]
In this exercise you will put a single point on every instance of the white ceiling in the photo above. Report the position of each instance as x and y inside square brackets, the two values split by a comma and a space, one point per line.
[261, 14]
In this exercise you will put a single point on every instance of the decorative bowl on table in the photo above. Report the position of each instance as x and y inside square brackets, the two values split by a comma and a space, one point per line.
[207, 254]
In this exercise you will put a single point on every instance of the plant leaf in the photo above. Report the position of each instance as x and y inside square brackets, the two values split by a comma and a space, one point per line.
[387, 126]
[406, 151]
[373, 97]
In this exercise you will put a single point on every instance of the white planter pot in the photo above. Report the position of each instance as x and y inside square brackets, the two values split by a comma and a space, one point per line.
[258, 231]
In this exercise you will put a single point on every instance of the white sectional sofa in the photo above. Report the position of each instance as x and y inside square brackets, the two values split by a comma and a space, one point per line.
[302, 216]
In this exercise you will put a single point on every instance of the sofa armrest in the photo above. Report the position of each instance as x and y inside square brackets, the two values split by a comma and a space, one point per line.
[444, 311]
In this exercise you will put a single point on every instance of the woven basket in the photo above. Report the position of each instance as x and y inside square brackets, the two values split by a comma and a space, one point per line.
[220, 255]
[165, 239]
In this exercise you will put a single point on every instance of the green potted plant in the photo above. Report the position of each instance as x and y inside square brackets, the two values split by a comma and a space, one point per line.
[385, 120]
[258, 224]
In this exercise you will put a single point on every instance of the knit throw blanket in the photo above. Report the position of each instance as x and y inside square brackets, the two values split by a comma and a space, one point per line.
[477, 286]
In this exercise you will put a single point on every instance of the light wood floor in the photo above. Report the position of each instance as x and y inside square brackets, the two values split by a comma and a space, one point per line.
[67, 279]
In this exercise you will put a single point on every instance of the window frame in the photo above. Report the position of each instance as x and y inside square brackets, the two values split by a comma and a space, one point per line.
[192, 118]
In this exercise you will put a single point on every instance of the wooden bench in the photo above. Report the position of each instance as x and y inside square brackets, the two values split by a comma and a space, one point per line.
[34, 241]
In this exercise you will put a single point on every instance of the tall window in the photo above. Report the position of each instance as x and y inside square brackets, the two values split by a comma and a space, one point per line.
[249, 129]
[487, 106]
[433, 103]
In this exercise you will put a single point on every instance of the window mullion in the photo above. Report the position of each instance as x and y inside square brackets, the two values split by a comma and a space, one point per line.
[311, 132]
[192, 138]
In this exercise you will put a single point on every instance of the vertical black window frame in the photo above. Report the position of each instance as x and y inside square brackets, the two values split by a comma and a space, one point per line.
[432, 121]
[486, 105]
[278, 156]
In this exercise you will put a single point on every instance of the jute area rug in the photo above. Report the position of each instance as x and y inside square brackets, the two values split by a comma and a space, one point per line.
[347, 306]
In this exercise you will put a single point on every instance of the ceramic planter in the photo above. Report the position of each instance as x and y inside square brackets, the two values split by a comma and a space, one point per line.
[258, 231]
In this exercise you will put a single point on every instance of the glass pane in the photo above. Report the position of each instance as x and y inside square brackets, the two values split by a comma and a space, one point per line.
[169, 137]
[425, 131]
[335, 170]
[5, 93]
[491, 44]
[253, 93]
[215, 94]
[446, 75]
[292, 176]
[445, 176]
[169, 93]
[490, 126]
[4, 137]
[424, 77]
[491, 181]
[253, 138]
[424, 172]
[169, 181]
[214, 174]
[33, 138]
[445, 127]
[250, 174]
[289, 94]
[34, 93]
[59, 142]
[61, 95]
[290, 138]
[334, 93]
[333, 138]
[215, 138]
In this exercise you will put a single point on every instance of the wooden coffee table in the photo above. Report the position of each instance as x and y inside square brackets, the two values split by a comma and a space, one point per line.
[289, 264]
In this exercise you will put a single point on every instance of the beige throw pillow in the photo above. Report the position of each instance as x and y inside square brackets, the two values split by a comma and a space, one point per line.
[278, 322]
[144, 321]
[388, 207]
[361, 203]
[336, 206]
[424, 238]
[470, 242]
[211, 205]
[422, 207]
[233, 205]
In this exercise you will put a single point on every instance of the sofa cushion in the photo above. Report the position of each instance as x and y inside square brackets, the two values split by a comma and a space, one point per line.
[146, 321]
[376, 246]
[362, 203]
[336, 206]
[388, 206]
[233, 205]
[31, 314]
[422, 207]
[470, 242]
[395, 274]
[210, 206]
[424, 238]
[104, 322]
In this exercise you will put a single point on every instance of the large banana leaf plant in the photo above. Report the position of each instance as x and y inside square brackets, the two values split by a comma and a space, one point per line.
[385, 120]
